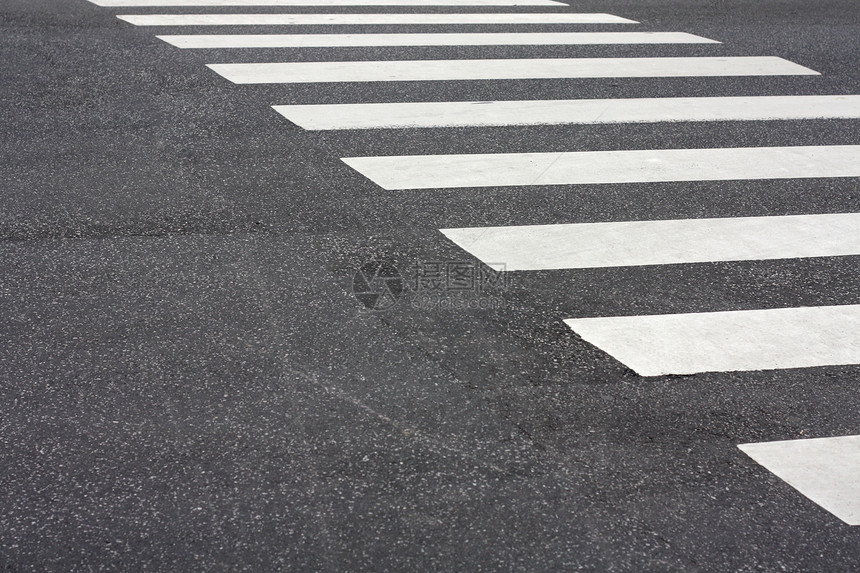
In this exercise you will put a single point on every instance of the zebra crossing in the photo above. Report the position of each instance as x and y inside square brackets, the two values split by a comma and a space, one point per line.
[560, 112]
[668, 242]
[655, 345]
[401, 172]
[513, 69]
[365, 19]
[223, 41]
[318, 3]
[650, 345]
[823, 469]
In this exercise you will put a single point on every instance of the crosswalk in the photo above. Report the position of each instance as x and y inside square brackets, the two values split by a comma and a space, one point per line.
[649, 344]
[400, 172]
[571, 111]
[365, 19]
[727, 341]
[823, 469]
[670, 242]
[222, 41]
[508, 69]
[318, 3]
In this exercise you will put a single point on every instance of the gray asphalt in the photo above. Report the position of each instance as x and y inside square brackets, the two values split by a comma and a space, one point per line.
[188, 383]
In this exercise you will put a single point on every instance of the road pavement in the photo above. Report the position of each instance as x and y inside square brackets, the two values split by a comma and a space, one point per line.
[500, 328]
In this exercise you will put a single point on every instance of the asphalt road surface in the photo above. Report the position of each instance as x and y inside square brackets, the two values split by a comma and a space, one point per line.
[244, 338]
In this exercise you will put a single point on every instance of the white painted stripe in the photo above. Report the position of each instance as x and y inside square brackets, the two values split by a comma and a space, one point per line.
[558, 68]
[159, 3]
[825, 470]
[728, 341]
[635, 243]
[364, 19]
[598, 167]
[554, 112]
[453, 39]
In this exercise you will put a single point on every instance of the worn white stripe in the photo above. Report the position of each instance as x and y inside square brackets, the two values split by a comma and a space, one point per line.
[557, 68]
[159, 3]
[825, 470]
[364, 19]
[549, 112]
[634, 243]
[728, 341]
[440, 39]
[598, 167]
